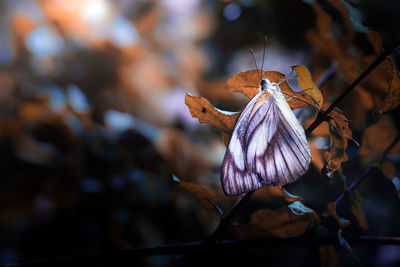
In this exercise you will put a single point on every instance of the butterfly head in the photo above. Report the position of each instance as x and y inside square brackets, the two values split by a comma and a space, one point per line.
[267, 85]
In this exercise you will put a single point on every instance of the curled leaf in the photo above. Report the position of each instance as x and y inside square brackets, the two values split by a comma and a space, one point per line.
[299, 208]
[313, 95]
[339, 133]
[202, 109]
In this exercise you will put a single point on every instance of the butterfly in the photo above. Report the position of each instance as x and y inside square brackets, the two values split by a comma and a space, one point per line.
[268, 145]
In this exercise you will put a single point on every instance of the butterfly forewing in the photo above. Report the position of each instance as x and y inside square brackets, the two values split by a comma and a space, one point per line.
[268, 147]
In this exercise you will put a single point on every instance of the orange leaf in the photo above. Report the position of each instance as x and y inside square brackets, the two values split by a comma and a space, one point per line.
[392, 99]
[248, 83]
[313, 95]
[202, 109]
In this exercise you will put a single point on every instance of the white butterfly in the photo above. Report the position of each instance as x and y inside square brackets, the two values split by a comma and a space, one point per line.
[268, 145]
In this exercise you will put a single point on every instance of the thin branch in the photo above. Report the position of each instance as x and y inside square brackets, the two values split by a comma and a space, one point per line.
[366, 172]
[224, 223]
[200, 248]
[371, 67]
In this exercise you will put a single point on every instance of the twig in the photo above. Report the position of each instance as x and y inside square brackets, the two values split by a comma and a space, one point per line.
[199, 248]
[224, 223]
[366, 172]
[323, 114]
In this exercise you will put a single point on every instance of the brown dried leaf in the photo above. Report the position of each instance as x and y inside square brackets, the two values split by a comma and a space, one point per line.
[392, 99]
[331, 211]
[377, 138]
[202, 109]
[204, 194]
[313, 95]
[359, 214]
[248, 83]
[339, 133]
[329, 257]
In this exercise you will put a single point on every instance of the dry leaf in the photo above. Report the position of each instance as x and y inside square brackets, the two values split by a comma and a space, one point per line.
[313, 95]
[248, 83]
[392, 99]
[331, 211]
[359, 214]
[202, 109]
[339, 133]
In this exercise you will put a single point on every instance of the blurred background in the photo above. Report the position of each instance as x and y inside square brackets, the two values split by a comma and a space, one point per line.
[93, 122]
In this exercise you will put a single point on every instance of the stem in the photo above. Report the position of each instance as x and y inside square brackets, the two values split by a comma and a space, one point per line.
[366, 172]
[226, 220]
[350, 88]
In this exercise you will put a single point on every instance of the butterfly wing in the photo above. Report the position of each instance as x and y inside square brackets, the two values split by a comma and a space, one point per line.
[267, 147]
[235, 176]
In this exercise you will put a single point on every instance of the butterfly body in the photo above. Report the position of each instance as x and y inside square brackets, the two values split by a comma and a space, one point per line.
[268, 144]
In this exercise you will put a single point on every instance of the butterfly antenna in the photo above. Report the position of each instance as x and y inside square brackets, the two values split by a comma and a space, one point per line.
[263, 57]
[254, 59]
